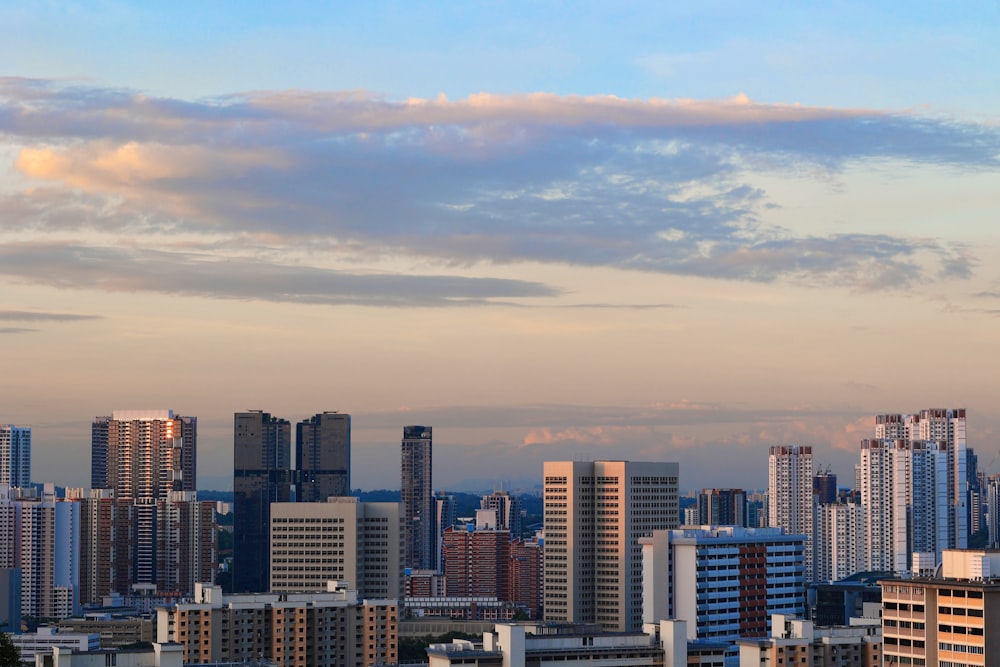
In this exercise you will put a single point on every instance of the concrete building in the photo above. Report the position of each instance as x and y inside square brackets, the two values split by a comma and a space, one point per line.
[168, 543]
[724, 581]
[418, 499]
[160, 655]
[722, 507]
[595, 513]
[144, 453]
[46, 546]
[323, 457]
[578, 645]
[942, 430]
[341, 539]
[790, 495]
[796, 642]
[262, 474]
[476, 562]
[825, 487]
[993, 510]
[508, 510]
[948, 619]
[115, 631]
[445, 516]
[15, 455]
[526, 575]
[10, 599]
[839, 541]
[41, 642]
[324, 629]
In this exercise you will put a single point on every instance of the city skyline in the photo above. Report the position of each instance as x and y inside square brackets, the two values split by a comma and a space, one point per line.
[675, 233]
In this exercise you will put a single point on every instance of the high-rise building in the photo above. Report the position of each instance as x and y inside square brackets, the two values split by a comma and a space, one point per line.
[526, 575]
[15, 455]
[839, 545]
[508, 509]
[825, 487]
[790, 494]
[144, 453]
[993, 510]
[725, 581]
[722, 507]
[914, 487]
[323, 457]
[341, 539]
[262, 474]
[46, 539]
[445, 515]
[476, 562]
[595, 513]
[941, 430]
[418, 499]
[170, 543]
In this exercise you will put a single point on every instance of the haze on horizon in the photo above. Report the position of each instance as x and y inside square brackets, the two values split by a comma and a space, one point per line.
[552, 232]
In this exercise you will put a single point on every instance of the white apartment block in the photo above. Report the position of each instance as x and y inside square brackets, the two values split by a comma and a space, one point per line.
[595, 513]
[790, 494]
[839, 541]
[339, 540]
[724, 581]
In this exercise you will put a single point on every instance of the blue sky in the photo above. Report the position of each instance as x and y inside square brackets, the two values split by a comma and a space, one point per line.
[551, 230]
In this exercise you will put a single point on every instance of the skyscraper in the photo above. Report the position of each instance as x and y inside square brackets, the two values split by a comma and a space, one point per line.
[508, 509]
[790, 494]
[323, 457]
[722, 507]
[144, 453]
[595, 513]
[262, 474]
[418, 499]
[15, 455]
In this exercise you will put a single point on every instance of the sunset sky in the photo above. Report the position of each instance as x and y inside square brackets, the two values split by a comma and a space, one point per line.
[551, 230]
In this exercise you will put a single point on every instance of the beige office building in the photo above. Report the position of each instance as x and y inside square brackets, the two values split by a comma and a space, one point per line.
[595, 513]
[338, 540]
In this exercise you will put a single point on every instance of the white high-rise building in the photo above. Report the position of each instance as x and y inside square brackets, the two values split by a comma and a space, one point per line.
[15, 455]
[839, 545]
[790, 494]
[913, 487]
[944, 430]
[595, 513]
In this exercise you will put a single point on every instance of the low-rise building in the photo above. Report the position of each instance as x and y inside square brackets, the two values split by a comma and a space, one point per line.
[42, 642]
[949, 618]
[325, 629]
[796, 642]
[159, 655]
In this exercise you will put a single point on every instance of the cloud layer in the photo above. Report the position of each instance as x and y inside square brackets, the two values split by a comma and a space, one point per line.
[657, 186]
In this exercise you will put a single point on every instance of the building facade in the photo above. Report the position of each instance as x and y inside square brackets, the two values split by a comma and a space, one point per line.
[595, 514]
[839, 541]
[323, 629]
[790, 494]
[508, 509]
[262, 474]
[725, 581]
[341, 539]
[323, 457]
[476, 562]
[144, 453]
[948, 620]
[722, 507]
[15, 455]
[417, 494]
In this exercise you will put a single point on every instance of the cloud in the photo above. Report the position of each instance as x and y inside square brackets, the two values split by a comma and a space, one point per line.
[15, 330]
[42, 316]
[72, 266]
[653, 185]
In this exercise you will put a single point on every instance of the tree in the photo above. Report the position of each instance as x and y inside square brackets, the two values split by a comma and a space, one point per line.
[10, 656]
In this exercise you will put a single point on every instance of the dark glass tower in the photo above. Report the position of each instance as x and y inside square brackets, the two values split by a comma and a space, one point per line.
[418, 499]
[262, 474]
[323, 457]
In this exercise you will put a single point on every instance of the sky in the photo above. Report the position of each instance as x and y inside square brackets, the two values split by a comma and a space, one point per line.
[550, 230]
